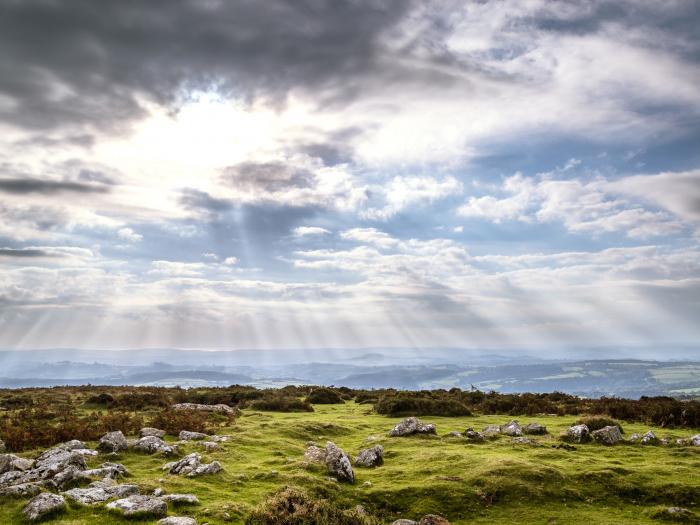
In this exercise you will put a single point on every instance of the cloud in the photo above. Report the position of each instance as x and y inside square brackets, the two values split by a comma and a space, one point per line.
[302, 231]
[231, 261]
[47, 187]
[23, 252]
[130, 235]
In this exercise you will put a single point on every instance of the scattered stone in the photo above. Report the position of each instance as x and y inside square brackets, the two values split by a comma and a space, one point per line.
[21, 490]
[99, 494]
[186, 435]
[150, 431]
[42, 505]
[180, 499]
[177, 520]
[473, 436]
[361, 511]
[535, 429]
[695, 440]
[220, 408]
[158, 492]
[607, 435]
[10, 462]
[404, 522]
[367, 484]
[663, 441]
[139, 506]
[315, 454]
[338, 463]
[679, 513]
[649, 439]
[152, 445]
[522, 440]
[370, 457]
[634, 438]
[113, 442]
[412, 425]
[210, 446]
[191, 465]
[682, 442]
[578, 434]
[219, 439]
[433, 519]
[454, 434]
[491, 431]
[512, 428]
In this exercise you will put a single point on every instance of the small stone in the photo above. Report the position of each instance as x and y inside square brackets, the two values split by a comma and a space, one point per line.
[473, 436]
[521, 440]
[695, 440]
[370, 457]
[649, 439]
[42, 505]
[113, 442]
[139, 506]
[578, 434]
[535, 429]
[512, 428]
[180, 499]
[607, 435]
[152, 445]
[410, 426]
[177, 520]
[338, 463]
[186, 435]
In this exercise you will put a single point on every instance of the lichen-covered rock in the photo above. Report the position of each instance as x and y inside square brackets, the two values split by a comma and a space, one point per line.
[634, 438]
[139, 506]
[695, 440]
[21, 490]
[338, 463]
[187, 435]
[100, 494]
[370, 457]
[433, 519]
[491, 431]
[607, 435]
[578, 434]
[210, 446]
[43, 505]
[649, 439]
[206, 469]
[410, 426]
[180, 499]
[220, 408]
[191, 465]
[315, 454]
[153, 445]
[150, 431]
[113, 442]
[9, 462]
[535, 429]
[177, 520]
[512, 428]
[473, 436]
[521, 440]
[403, 521]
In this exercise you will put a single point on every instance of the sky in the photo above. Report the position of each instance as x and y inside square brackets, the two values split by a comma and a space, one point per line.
[349, 173]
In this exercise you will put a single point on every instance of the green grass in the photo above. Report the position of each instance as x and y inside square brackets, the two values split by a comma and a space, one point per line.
[484, 483]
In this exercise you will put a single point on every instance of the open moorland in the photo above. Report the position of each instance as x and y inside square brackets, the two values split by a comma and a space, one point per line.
[262, 457]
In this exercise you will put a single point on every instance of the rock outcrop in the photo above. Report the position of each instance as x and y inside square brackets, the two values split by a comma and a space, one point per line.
[512, 428]
[578, 434]
[410, 426]
[338, 463]
[370, 457]
[607, 435]
[100, 492]
[113, 442]
[43, 505]
[139, 507]
[191, 465]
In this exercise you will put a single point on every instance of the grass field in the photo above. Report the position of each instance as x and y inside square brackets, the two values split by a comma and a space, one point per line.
[496, 481]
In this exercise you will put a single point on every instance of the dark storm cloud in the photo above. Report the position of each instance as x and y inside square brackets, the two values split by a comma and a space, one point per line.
[24, 252]
[200, 201]
[22, 186]
[267, 177]
[79, 61]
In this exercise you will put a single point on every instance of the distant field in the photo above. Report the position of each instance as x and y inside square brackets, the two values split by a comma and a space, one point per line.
[481, 483]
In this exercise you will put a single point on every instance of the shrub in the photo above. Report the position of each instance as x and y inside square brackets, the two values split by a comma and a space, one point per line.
[174, 421]
[291, 506]
[281, 404]
[405, 404]
[324, 396]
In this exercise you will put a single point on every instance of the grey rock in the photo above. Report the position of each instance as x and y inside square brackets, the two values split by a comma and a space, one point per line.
[100, 494]
[512, 428]
[338, 463]
[315, 454]
[433, 519]
[21, 490]
[191, 465]
[113, 442]
[607, 435]
[473, 436]
[370, 457]
[578, 434]
[410, 426]
[521, 440]
[535, 429]
[220, 408]
[695, 440]
[177, 520]
[10, 462]
[42, 505]
[139, 506]
[491, 431]
[206, 468]
[454, 434]
[649, 439]
[404, 522]
[210, 446]
[219, 439]
[158, 492]
[150, 431]
[152, 445]
[186, 435]
[180, 499]
[634, 438]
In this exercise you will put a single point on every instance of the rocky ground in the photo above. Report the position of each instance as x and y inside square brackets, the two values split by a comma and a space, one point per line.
[374, 469]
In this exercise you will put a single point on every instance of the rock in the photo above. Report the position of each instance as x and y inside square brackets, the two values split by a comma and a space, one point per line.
[682, 442]
[21, 490]
[150, 431]
[186, 435]
[220, 408]
[607, 435]
[99, 494]
[634, 438]
[535, 429]
[361, 511]
[180, 499]
[370, 457]
[454, 434]
[473, 436]
[42, 505]
[338, 463]
[139, 506]
[512, 428]
[433, 519]
[404, 522]
[73, 444]
[191, 466]
[695, 440]
[113, 442]
[152, 445]
[3, 448]
[412, 425]
[158, 492]
[10, 462]
[578, 434]
[219, 439]
[315, 454]
[367, 484]
[522, 440]
[649, 439]
[491, 430]
[177, 520]
[210, 446]
[679, 513]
